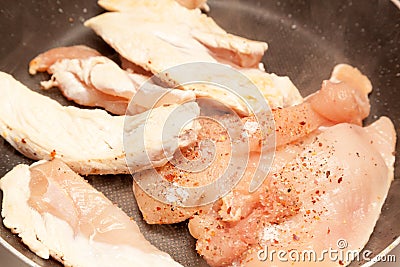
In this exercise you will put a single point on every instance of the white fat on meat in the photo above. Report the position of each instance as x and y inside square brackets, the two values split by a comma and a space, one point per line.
[57, 213]
[163, 41]
[101, 72]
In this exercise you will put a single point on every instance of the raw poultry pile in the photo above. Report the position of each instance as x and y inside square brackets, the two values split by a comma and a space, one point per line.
[327, 180]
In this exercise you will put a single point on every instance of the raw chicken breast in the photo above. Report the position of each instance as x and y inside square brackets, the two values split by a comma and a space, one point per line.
[156, 212]
[167, 34]
[97, 81]
[332, 189]
[90, 141]
[57, 213]
[291, 124]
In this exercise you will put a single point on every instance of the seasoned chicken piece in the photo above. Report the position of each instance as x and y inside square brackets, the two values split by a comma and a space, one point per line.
[156, 212]
[97, 81]
[91, 141]
[332, 190]
[305, 200]
[57, 213]
[291, 124]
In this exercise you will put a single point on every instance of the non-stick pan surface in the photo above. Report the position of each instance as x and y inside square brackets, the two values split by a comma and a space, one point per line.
[306, 39]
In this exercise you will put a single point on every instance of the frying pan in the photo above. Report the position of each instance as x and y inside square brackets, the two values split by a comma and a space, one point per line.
[306, 39]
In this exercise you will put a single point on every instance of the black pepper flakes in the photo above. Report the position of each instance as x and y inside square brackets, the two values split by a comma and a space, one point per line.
[295, 237]
[328, 173]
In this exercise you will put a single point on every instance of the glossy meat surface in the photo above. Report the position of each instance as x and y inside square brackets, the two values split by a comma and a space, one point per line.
[57, 213]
